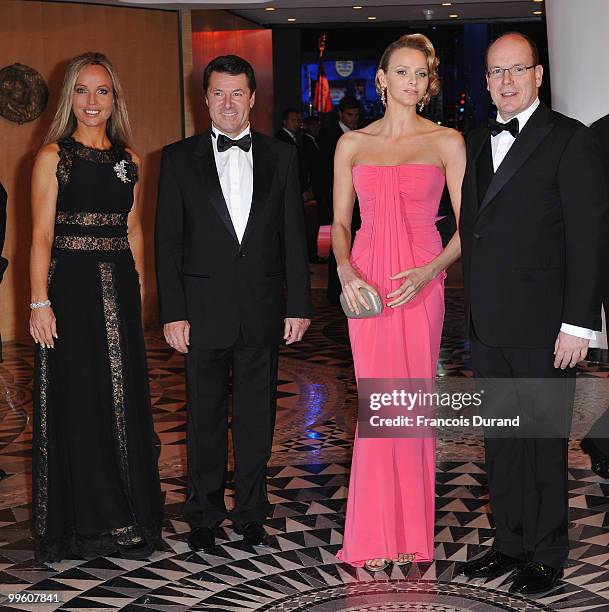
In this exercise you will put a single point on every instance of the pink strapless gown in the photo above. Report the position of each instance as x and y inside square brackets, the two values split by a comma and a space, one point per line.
[390, 509]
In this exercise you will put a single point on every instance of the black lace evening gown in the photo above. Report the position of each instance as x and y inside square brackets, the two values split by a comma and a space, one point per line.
[95, 478]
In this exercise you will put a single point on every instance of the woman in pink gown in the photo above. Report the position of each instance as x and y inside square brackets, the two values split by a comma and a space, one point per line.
[397, 166]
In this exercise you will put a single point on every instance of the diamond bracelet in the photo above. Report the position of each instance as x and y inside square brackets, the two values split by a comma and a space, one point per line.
[35, 305]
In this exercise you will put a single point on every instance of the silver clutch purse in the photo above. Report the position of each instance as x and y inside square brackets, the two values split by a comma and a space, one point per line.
[373, 299]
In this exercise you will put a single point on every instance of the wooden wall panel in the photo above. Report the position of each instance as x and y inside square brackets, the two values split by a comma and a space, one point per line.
[254, 45]
[143, 45]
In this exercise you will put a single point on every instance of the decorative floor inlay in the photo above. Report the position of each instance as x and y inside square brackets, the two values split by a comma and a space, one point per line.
[308, 486]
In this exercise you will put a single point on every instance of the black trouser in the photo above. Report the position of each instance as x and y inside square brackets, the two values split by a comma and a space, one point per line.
[528, 476]
[311, 213]
[254, 386]
[599, 433]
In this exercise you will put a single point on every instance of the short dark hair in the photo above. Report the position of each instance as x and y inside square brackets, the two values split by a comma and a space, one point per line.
[233, 65]
[532, 44]
[288, 111]
[347, 102]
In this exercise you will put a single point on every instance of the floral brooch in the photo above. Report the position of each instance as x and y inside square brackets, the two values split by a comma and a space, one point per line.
[120, 168]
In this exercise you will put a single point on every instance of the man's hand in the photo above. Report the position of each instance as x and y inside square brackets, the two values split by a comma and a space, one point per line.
[177, 335]
[294, 329]
[569, 350]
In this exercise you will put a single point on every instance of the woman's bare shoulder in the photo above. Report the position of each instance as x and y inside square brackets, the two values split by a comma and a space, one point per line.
[450, 140]
[134, 156]
[355, 139]
[47, 156]
[48, 150]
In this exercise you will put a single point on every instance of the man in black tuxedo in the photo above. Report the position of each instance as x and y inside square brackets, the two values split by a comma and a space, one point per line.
[3, 261]
[291, 122]
[348, 119]
[596, 443]
[533, 222]
[229, 239]
[290, 134]
[312, 156]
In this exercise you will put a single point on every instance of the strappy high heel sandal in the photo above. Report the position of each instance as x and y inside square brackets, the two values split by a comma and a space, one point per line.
[408, 558]
[377, 568]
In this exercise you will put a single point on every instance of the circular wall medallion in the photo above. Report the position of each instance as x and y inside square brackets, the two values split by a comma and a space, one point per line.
[23, 93]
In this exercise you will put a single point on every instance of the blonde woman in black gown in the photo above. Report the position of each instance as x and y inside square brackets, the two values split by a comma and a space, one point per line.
[95, 480]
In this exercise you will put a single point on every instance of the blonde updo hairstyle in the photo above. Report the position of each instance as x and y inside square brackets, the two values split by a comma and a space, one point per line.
[423, 44]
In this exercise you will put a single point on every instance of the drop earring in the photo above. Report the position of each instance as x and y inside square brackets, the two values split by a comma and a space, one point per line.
[421, 106]
[384, 96]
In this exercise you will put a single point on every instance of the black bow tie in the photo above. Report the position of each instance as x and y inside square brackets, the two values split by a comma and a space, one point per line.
[225, 143]
[511, 126]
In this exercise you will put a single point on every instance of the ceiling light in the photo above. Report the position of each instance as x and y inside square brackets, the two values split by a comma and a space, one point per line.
[447, 3]
[269, 8]
[371, 18]
[357, 8]
[291, 18]
[537, 12]
[453, 16]
[537, 0]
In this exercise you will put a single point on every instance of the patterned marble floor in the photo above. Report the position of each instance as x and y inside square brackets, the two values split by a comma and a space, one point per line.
[308, 480]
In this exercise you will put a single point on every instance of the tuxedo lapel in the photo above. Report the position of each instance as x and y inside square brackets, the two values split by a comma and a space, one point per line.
[478, 139]
[264, 169]
[475, 142]
[533, 133]
[210, 183]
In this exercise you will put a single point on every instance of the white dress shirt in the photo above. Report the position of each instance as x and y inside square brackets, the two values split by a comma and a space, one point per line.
[236, 173]
[343, 127]
[500, 145]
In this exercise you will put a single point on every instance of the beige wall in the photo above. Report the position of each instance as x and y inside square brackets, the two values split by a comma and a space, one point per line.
[144, 47]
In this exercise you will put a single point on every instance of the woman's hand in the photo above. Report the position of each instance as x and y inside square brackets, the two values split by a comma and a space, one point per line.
[43, 326]
[415, 280]
[351, 282]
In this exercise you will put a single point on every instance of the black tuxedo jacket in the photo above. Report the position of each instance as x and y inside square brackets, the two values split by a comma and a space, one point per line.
[328, 139]
[204, 275]
[312, 155]
[303, 169]
[601, 128]
[282, 135]
[532, 234]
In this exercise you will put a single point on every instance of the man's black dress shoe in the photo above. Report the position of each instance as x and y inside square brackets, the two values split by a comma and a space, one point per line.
[599, 462]
[253, 533]
[535, 579]
[202, 538]
[492, 565]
